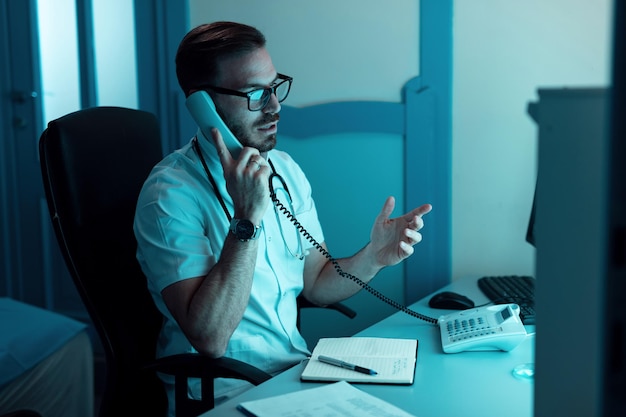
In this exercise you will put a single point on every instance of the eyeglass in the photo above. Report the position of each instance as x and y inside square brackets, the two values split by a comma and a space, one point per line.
[258, 98]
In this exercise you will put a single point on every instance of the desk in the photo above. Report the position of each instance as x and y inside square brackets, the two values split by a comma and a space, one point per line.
[446, 385]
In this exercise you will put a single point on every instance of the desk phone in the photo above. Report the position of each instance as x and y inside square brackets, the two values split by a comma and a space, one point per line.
[496, 327]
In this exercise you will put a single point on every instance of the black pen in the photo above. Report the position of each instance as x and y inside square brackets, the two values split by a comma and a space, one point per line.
[346, 365]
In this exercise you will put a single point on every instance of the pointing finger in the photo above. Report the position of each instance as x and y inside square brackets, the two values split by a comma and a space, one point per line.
[419, 212]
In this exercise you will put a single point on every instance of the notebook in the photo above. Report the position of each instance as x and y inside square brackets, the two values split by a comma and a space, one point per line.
[392, 359]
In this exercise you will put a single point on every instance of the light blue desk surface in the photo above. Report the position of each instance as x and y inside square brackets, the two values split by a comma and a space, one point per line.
[446, 385]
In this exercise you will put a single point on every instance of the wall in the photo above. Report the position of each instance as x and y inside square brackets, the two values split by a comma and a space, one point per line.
[504, 51]
[335, 50]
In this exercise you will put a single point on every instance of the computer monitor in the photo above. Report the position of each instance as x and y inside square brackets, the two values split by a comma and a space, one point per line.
[581, 249]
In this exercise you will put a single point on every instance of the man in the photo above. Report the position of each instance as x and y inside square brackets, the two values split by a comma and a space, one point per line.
[224, 289]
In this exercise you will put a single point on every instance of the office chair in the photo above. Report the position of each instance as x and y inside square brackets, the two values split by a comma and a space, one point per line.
[94, 162]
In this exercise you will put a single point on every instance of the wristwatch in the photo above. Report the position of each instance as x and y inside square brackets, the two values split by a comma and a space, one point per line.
[244, 230]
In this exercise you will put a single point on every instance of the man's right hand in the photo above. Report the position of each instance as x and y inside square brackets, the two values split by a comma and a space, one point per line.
[246, 178]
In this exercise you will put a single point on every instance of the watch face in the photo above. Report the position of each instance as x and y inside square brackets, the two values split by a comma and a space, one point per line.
[245, 229]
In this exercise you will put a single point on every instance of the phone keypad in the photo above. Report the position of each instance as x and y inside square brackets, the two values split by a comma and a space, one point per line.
[462, 329]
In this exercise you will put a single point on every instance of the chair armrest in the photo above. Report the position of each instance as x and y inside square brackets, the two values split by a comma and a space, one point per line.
[343, 309]
[340, 307]
[193, 365]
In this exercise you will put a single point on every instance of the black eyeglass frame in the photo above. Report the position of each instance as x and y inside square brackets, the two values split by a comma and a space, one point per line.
[267, 90]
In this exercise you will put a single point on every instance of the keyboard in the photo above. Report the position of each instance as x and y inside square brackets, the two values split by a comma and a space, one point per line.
[516, 289]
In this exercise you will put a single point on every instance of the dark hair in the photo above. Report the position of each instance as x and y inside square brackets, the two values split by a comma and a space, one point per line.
[206, 45]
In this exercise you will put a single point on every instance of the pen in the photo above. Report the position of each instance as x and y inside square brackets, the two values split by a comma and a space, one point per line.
[346, 365]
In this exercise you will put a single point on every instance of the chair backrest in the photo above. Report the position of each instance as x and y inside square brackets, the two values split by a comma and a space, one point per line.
[94, 163]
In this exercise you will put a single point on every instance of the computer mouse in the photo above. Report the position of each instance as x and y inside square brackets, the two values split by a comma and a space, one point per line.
[450, 300]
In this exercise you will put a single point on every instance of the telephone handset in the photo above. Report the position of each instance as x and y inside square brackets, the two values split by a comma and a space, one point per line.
[202, 109]
[496, 327]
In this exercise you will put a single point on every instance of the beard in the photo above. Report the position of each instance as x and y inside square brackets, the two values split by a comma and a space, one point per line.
[246, 137]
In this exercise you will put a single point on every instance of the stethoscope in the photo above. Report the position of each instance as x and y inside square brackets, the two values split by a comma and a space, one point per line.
[288, 212]
[299, 253]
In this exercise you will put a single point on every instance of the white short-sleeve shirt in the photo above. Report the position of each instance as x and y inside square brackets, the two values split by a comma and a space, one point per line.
[180, 227]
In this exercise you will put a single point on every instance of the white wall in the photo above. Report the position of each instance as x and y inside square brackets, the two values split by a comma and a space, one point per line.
[335, 50]
[503, 52]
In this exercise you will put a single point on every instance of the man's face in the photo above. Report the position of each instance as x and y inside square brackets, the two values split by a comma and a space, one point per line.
[245, 73]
